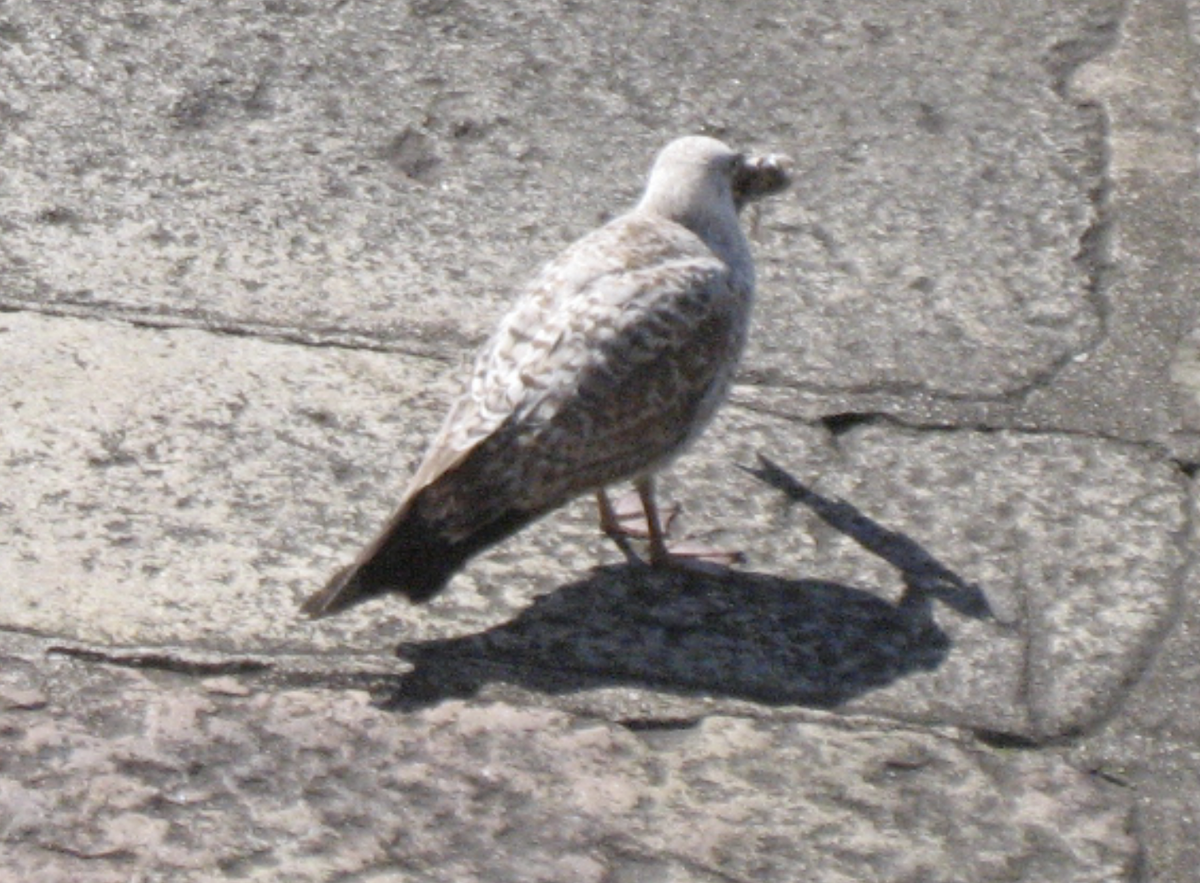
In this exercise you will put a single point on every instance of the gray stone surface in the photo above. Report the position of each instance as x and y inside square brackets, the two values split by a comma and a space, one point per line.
[217, 777]
[1140, 380]
[169, 470]
[244, 249]
[327, 157]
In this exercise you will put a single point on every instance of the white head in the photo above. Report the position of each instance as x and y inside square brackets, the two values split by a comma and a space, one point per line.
[697, 180]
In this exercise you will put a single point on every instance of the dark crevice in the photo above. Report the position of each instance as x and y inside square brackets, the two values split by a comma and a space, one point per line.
[1064, 58]
[1007, 741]
[1141, 872]
[316, 338]
[286, 672]
[1188, 467]
[840, 424]
[1093, 255]
[1111, 778]
[163, 661]
[650, 724]
[845, 422]
[1156, 643]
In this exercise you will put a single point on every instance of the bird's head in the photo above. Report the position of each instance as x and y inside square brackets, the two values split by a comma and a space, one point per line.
[697, 177]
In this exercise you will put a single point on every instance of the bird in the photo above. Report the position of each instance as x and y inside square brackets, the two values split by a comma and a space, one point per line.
[606, 368]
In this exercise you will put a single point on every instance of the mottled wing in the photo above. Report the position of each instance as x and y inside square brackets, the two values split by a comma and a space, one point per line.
[638, 366]
[535, 350]
[493, 390]
[638, 376]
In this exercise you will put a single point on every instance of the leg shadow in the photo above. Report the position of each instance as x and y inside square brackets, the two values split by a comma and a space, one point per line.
[924, 576]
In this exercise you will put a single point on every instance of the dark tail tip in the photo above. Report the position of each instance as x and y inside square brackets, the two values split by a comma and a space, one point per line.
[378, 576]
[341, 593]
[412, 557]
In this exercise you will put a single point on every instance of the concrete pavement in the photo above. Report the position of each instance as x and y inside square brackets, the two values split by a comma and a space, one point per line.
[247, 248]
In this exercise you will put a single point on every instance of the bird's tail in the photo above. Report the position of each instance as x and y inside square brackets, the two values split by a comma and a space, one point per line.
[412, 556]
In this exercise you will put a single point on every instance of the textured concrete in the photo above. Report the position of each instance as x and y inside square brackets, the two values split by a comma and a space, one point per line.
[128, 775]
[246, 248]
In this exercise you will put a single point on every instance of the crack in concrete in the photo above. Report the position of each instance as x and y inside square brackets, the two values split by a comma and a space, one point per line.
[1093, 256]
[839, 423]
[315, 338]
[297, 671]
[117, 853]
[1155, 644]
[659, 724]
[286, 670]
[158, 659]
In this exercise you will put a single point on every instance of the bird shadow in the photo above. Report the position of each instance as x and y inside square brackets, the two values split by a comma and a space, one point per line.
[736, 634]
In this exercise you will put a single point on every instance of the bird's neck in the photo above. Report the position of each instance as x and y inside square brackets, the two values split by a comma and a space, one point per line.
[723, 235]
[715, 221]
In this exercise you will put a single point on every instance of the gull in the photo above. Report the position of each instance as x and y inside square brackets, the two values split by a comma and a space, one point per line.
[607, 367]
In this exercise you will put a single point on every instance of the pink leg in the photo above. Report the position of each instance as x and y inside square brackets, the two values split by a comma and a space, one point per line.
[615, 522]
[659, 556]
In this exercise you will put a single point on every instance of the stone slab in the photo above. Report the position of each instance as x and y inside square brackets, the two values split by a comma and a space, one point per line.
[331, 170]
[112, 775]
[185, 488]
[994, 228]
[1152, 746]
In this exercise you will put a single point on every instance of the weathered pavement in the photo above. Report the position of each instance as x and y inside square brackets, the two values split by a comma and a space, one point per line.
[247, 245]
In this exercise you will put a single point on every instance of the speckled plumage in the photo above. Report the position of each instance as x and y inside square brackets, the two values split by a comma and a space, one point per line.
[608, 365]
